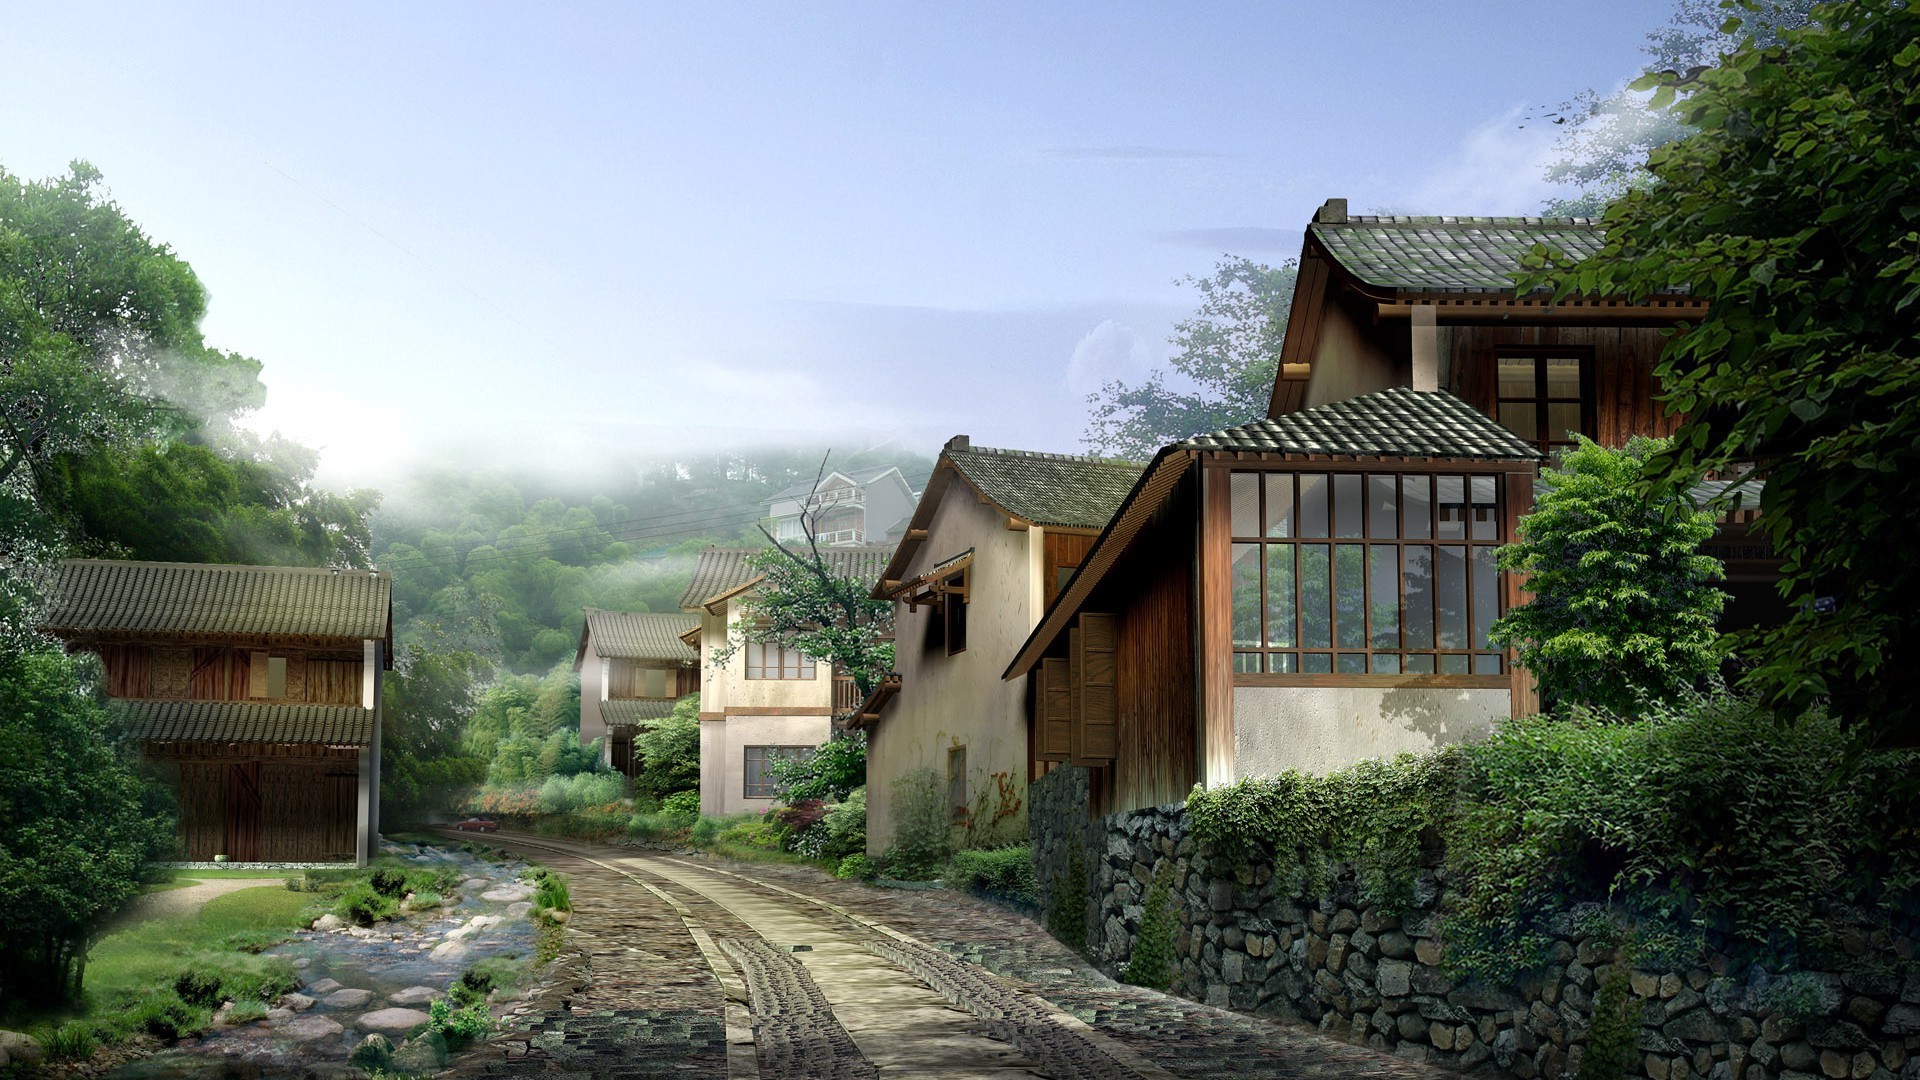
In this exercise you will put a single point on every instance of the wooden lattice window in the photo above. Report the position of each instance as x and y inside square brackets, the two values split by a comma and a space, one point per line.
[768, 660]
[1544, 397]
[1350, 573]
[757, 778]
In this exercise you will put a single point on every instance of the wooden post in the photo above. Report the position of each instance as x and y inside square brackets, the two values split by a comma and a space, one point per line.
[1214, 664]
[1524, 693]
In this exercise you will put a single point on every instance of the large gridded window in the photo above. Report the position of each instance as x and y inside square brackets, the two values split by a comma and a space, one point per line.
[1543, 398]
[758, 778]
[1365, 573]
[766, 660]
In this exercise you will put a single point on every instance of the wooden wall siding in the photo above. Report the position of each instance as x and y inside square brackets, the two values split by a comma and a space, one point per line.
[1092, 731]
[243, 812]
[129, 670]
[1152, 590]
[333, 682]
[1056, 713]
[142, 672]
[220, 674]
[686, 681]
[1215, 676]
[1058, 550]
[265, 802]
[203, 810]
[172, 674]
[1622, 371]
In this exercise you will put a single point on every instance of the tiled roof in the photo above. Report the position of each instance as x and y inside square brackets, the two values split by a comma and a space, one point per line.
[636, 635]
[725, 569]
[1399, 422]
[859, 477]
[204, 598]
[1449, 254]
[626, 713]
[248, 721]
[1061, 490]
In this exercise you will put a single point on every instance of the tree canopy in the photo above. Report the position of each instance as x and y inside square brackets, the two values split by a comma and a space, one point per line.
[1222, 369]
[1791, 210]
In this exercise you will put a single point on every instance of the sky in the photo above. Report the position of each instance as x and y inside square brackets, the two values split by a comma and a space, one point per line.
[542, 234]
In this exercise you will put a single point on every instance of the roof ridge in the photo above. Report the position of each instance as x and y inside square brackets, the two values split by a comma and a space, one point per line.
[328, 571]
[1462, 219]
[1044, 455]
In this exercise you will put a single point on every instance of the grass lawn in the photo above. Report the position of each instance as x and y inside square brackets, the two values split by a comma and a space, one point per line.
[222, 875]
[131, 963]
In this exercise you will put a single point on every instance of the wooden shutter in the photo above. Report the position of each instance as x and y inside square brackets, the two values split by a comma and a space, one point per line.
[257, 675]
[1097, 698]
[1056, 711]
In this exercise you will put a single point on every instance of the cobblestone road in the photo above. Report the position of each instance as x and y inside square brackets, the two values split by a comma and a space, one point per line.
[684, 965]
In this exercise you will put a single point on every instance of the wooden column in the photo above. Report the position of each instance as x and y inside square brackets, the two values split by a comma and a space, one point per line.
[1524, 695]
[1213, 669]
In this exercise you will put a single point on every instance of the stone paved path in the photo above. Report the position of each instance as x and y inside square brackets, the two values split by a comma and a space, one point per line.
[830, 978]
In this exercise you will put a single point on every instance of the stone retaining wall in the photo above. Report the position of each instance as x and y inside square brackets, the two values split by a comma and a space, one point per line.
[1248, 941]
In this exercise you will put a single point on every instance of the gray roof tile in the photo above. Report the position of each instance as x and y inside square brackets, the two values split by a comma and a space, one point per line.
[620, 712]
[724, 569]
[203, 598]
[1059, 490]
[247, 721]
[634, 635]
[1398, 422]
[1449, 254]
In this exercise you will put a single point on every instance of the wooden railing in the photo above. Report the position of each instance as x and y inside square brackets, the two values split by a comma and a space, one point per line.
[846, 694]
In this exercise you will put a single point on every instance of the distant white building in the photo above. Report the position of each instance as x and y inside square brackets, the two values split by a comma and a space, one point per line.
[846, 509]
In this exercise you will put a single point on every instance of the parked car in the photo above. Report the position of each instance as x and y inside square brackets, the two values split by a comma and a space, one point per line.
[477, 824]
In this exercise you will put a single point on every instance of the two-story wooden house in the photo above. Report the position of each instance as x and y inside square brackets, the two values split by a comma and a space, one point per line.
[994, 537]
[765, 701]
[1314, 587]
[633, 666]
[255, 689]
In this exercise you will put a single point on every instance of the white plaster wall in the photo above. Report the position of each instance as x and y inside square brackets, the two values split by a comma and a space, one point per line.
[592, 725]
[948, 701]
[1319, 729]
[745, 693]
[713, 679]
[723, 764]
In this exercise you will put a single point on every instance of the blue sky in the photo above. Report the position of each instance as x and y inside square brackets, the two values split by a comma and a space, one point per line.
[520, 233]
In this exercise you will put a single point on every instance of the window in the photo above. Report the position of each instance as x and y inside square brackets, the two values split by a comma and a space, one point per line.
[957, 783]
[757, 779]
[1543, 397]
[653, 682]
[1364, 573]
[953, 612]
[766, 660]
[276, 677]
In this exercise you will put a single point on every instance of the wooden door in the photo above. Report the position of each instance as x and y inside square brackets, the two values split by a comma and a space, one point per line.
[243, 812]
[342, 816]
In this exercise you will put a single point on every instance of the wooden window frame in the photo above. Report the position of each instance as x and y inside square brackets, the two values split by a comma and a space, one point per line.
[1398, 543]
[768, 753]
[804, 668]
[1589, 414]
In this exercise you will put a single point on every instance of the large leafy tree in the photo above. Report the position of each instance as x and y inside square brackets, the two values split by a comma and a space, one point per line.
[1792, 211]
[1221, 372]
[1623, 603]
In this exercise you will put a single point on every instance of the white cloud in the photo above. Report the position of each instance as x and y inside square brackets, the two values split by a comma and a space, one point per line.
[1499, 168]
[1109, 351]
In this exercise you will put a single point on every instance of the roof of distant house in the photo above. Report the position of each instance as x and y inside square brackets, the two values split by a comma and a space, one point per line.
[103, 595]
[724, 570]
[622, 712]
[1399, 422]
[637, 635]
[250, 722]
[1448, 254]
[859, 477]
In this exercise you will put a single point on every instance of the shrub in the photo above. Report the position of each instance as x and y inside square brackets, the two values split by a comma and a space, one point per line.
[363, 905]
[1611, 1046]
[1151, 962]
[198, 987]
[165, 1016]
[373, 1054]
[750, 833]
[470, 988]
[920, 825]
[834, 771]
[844, 828]
[71, 1041]
[1623, 604]
[669, 751]
[459, 1028]
[1004, 873]
[796, 819]
[681, 807]
[550, 892]
[855, 867]
[389, 882]
[424, 900]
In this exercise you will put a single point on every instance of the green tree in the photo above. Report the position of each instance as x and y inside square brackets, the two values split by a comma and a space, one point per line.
[834, 771]
[1623, 604]
[806, 603]
[1604, 151]
[1791, 211]
[431, 698]
[77, 823]
[1225, 359]
[669, 750]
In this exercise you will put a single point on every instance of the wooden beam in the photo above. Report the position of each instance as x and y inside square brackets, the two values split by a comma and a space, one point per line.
[1214, 718]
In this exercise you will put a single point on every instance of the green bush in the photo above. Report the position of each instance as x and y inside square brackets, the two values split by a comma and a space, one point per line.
[581, 791]
[751, 833]
[920, 826]
[165, 1016]
[681, 808]
[1005, 873]
[844, 828]
[246, 1012]
[1067, 914]
[669, 751]
[1151, 962]
[363, 905]
[459, 1028]
[834, 771]
[198, 987]
[373, 1054]
[550, 892]
[1611, 1043]
[71, 1041]
[855, 868]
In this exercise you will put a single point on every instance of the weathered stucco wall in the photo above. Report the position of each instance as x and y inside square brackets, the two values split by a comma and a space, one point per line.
[1249, 940]
[1319, 729]
[960, 700]
[723, 746]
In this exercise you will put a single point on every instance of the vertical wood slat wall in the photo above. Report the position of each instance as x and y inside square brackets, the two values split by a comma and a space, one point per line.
[303, 807]
[143, 672]
[1622, 360]
[1094, 689]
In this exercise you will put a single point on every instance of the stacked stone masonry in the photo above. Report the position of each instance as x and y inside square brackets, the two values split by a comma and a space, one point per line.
[1250, 942]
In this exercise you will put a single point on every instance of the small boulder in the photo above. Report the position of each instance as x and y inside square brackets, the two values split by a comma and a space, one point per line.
[473, 883]
[507, 894]
[321, 988]
[309, 1028]
[520, 910]
[416, 995]
[394, 1020]
[328, 923]
[449, 950]
[347, 999]
[296, 1002]
[276, 1017]
[20, 1048]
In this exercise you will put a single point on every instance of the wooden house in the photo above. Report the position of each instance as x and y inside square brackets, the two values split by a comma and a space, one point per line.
[766, 701]
[994, 537]
[254, 689]
[633, 666]
[1314, 587]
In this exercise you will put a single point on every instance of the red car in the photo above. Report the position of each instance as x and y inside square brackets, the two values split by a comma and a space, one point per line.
[477, 824]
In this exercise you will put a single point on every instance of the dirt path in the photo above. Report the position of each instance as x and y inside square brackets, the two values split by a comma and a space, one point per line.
[808, 976]
[192, 898]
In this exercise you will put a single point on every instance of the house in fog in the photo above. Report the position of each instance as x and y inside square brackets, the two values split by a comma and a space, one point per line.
[845, 509]
[254, 689]
[765, 701]
[633, 666]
